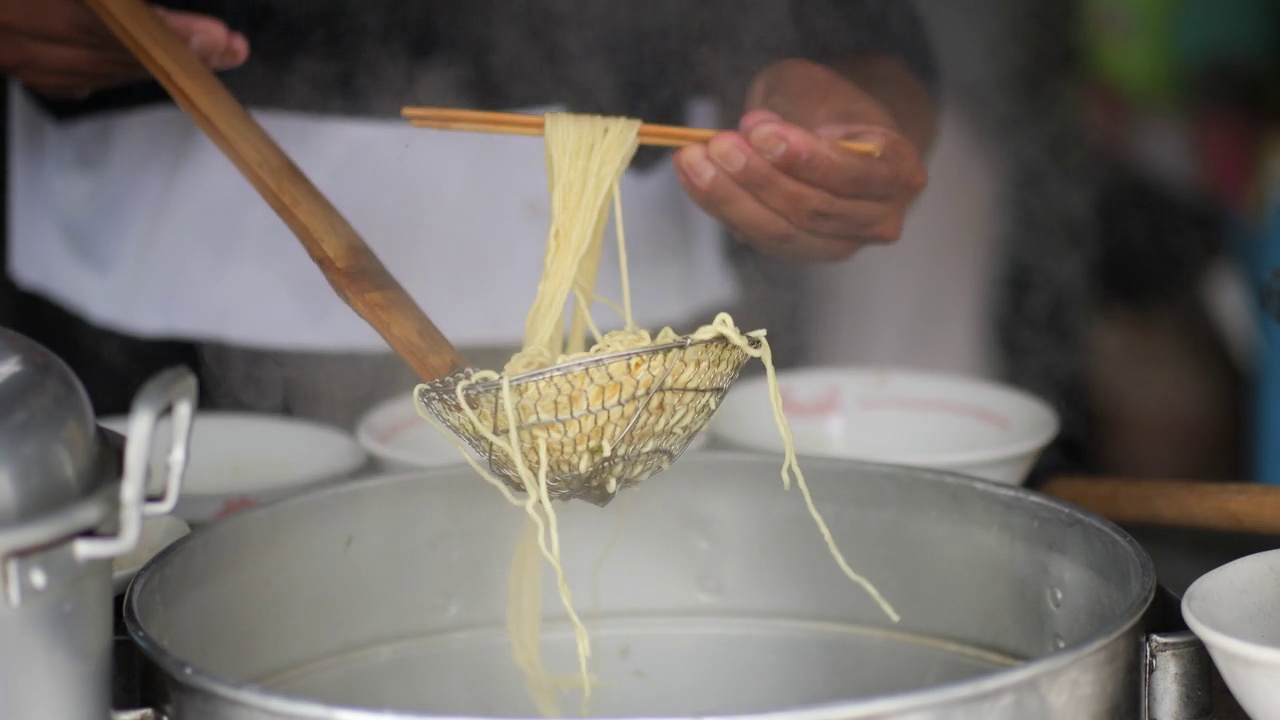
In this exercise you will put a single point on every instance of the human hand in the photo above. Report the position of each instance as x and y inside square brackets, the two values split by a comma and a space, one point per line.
[783, 184]
[59, 48]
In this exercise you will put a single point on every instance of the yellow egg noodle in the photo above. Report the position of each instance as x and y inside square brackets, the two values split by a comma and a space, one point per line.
[586, 158]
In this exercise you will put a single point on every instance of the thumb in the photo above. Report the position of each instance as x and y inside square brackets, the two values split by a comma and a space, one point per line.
[857, 132]
[208, 38]
[870, 135]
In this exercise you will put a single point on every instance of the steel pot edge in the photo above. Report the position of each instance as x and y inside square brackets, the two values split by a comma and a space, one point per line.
[1132, 621]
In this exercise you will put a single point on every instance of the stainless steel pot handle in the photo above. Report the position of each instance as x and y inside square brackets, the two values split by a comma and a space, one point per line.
[143, 714]
[1177, 678]
[173, 391]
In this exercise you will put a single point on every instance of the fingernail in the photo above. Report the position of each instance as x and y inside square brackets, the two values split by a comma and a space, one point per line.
[753, 118]
[769, 141]
[230, 58]
[203, 46]
[237, 49]
[874, 143]
[727, 154]
[845, 133]
[695, 163]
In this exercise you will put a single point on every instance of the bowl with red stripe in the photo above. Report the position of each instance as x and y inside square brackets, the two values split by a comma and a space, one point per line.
[241, 459]
[895, 416]
[398, 439]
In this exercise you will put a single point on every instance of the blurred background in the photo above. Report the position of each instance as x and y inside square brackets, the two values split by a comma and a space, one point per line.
[1100, 229]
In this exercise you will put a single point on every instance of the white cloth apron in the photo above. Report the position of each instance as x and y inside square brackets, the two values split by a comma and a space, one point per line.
[135, 221]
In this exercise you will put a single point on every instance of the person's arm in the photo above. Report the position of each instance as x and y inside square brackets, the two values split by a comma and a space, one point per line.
[859, 70]
[59, 50]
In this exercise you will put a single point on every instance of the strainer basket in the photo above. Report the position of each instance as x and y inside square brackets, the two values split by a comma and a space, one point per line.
[609, 421]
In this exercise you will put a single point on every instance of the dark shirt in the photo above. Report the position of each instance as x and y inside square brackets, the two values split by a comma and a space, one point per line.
[641, 59]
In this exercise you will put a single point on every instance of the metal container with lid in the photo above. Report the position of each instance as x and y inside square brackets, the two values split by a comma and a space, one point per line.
[71, 499]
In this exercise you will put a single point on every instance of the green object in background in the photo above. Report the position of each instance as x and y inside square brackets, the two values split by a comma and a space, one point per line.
[1231, 41]
[1129, 45]
[1239, 32]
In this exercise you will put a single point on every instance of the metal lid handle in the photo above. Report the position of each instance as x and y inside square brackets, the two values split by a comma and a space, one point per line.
[174, 391]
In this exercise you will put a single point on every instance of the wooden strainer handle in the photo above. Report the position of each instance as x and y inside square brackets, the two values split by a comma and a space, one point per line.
[350, 266]
[1229, 507]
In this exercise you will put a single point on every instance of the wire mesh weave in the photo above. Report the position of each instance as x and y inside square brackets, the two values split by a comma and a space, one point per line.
[609, 421]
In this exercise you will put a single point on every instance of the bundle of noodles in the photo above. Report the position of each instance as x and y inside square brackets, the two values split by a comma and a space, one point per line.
[607, 424]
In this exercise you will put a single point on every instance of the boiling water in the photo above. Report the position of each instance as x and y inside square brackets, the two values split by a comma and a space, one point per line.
[646, 667]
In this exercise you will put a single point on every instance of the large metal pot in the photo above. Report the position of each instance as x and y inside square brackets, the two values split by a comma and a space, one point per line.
[385, 599]
[66, 509]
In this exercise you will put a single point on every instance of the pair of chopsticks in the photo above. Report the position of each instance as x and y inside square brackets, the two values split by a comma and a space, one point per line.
[524, 124]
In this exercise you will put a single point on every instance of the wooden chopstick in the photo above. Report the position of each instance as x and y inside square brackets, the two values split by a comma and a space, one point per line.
[525, 124]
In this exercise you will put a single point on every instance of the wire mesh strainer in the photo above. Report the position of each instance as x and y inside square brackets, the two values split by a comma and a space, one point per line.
[609, 421]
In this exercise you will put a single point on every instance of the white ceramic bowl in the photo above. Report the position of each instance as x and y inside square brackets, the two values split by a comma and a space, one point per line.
[158, 533]
[894, 416]
[1235, 611]
[242, 459]
[399, 439]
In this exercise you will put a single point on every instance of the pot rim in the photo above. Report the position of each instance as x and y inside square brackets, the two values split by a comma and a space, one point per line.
[249, 695]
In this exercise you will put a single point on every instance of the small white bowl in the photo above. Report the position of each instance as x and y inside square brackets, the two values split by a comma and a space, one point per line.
[158, 533]
[893, 416]
[242, 459]
[399, 439]
[1235, 611]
